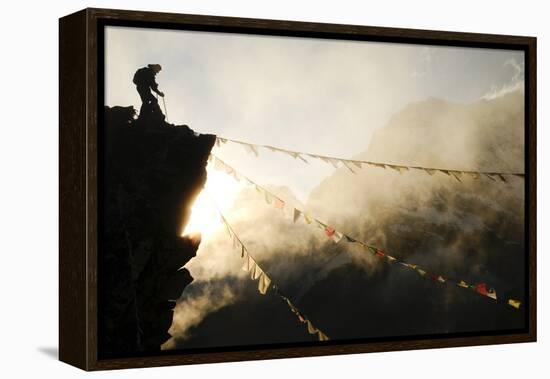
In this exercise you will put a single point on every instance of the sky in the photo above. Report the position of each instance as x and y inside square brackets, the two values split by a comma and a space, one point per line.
[304, 94]
[406, 104]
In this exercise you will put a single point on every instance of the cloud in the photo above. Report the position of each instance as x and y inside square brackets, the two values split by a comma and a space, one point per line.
[198, 300]
[516, 83]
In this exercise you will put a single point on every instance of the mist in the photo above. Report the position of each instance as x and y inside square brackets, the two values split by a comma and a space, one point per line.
[470, 229]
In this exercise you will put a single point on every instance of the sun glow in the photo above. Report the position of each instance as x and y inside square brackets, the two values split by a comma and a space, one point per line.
[220, 191]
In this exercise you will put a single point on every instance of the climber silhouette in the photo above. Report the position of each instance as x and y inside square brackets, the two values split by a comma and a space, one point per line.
[144, 79]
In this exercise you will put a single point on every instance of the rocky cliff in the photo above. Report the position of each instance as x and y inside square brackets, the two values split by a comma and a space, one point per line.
[150, 173]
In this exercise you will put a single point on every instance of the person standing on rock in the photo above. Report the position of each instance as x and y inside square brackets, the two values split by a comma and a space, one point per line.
[144, 79]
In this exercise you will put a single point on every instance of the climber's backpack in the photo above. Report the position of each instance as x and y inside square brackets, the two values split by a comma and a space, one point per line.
[140, 77]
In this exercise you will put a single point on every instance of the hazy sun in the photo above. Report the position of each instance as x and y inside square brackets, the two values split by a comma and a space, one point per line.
[218, 195]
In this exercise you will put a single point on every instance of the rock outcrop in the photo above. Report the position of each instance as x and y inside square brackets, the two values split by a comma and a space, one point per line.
[151, 173]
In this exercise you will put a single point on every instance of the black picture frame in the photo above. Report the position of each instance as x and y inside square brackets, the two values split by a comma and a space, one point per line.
[80, 106]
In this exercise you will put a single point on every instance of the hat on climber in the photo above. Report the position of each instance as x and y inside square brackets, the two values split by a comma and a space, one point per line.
[156, 67]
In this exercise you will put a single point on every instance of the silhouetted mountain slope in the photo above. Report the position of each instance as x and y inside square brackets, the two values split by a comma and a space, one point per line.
[151, 173]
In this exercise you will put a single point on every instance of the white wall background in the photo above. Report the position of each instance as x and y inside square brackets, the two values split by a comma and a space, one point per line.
[28, 187]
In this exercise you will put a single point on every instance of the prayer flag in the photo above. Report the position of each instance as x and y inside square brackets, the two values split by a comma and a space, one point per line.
[307, 219]
[302, 159]
[323, 336]
[310, 328]
[514, 303]
[337, 236]
[430, 171]
[492, 293]
[390, 258]
[329, 231]
[463, 284]
[421, 272]
[253, 149]
[263, 283]
[441, 279]
[296, 215]
[348, 165]
[218, 165]
[255, 272]
[279, 204]
[474, 175]
[357, 163]
[399, 169]
[456, 175]
[490, 176]
[481, 288]
[247, 263]
[381, 165]
[380, 253]
[349, 239]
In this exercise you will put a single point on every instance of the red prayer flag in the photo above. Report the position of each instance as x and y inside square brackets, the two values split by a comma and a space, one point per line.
[380, 253]
[279, 204]
[329, 231]
[481, 288]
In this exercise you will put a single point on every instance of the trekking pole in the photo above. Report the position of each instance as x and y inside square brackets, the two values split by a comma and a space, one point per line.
[165, 111]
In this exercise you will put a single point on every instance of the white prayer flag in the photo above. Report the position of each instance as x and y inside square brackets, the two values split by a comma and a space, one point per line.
[348, 165]
[337, 236]
[253, 149]
[247, 263]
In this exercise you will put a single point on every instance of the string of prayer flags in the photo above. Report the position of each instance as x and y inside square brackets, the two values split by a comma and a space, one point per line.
[251, 266]
[348, 163]
[303, 319]
[337, 236]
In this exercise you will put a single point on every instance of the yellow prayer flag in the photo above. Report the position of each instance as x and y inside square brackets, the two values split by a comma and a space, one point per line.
[263, 283]
[322, 336]
[514, 303]
[463, 284]
[310, 328]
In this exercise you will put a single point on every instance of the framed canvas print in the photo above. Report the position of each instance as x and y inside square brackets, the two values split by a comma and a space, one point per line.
[237, 189]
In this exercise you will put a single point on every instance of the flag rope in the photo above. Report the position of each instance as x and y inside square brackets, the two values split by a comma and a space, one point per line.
[350, 164]
[264, 281]
[337, 236]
